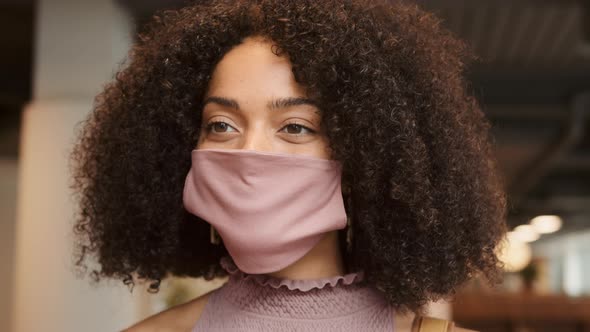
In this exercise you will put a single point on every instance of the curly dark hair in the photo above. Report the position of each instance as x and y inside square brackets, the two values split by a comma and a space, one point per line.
[426, 200]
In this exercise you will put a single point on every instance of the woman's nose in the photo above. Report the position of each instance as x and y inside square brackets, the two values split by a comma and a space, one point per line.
[257, 140]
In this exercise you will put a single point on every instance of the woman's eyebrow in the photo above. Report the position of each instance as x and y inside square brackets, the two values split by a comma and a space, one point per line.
[273, 104]
[290, 101]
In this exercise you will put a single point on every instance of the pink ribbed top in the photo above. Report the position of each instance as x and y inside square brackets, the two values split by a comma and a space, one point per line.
[262, 303]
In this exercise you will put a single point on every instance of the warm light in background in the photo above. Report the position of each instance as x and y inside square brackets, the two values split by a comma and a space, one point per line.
[546, 224]
[514, 253]
[525, 233]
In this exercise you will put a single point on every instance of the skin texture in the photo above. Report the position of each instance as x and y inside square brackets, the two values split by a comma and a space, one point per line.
[425, 199]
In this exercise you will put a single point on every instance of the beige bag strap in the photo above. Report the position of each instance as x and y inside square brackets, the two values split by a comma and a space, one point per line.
[431, 324]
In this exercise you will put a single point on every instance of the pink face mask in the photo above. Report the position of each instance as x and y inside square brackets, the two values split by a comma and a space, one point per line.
[270, 209]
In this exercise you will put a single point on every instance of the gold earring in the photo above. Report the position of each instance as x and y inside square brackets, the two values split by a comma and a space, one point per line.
[349, 234]
[214, 236]
[346, 191]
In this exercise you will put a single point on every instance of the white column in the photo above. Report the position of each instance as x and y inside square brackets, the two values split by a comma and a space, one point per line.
[77, 48]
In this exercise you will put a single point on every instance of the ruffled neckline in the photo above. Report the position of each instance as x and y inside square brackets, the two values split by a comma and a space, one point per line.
[303, 285]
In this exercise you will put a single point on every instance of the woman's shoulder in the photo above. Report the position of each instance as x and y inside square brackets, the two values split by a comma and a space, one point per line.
[180, 318]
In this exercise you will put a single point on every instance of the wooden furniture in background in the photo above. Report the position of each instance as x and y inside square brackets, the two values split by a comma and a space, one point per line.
[516, 312]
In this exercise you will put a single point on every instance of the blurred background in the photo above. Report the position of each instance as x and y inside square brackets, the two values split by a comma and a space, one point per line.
[533, 80]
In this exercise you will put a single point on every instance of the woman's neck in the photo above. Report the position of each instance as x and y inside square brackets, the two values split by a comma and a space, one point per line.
[322, 261]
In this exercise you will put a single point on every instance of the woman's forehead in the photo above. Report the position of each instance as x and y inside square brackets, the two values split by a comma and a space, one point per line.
[251, 71]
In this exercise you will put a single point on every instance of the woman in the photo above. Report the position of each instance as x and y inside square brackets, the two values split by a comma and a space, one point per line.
[325, 154]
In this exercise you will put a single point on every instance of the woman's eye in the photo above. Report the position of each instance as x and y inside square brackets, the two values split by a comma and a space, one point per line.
[296, 129]
[220, 127]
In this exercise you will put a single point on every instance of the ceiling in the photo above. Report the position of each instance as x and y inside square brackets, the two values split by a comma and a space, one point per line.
[533, 80]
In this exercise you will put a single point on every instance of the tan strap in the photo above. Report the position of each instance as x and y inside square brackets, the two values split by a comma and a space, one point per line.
[431, 324]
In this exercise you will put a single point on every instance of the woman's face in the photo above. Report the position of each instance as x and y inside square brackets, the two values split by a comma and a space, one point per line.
[254, 103]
